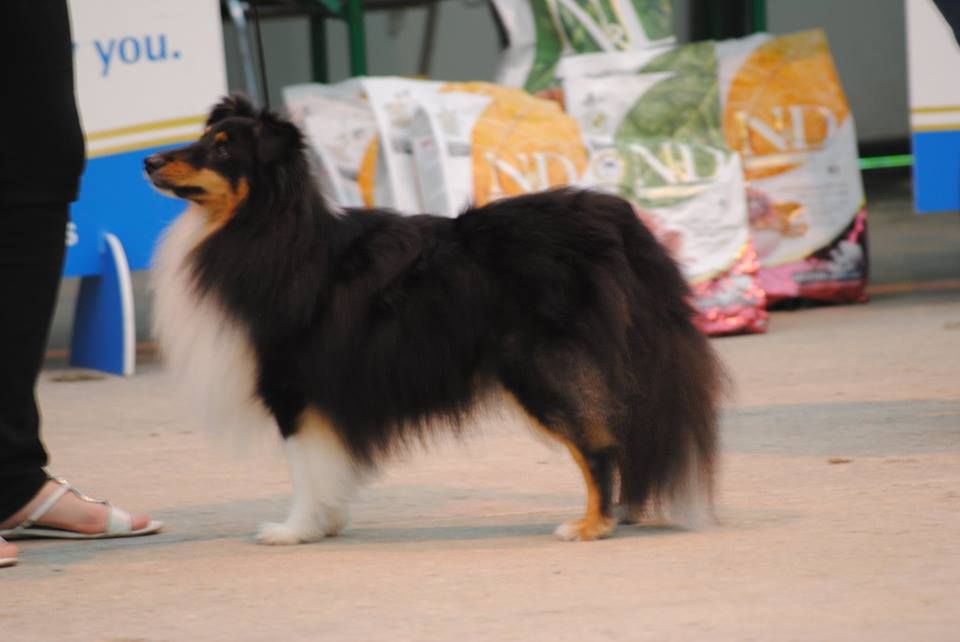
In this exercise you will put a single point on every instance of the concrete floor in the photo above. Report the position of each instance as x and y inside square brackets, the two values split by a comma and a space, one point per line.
[839, 503]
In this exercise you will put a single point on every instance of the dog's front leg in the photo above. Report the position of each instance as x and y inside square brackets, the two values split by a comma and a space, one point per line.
[324, 478]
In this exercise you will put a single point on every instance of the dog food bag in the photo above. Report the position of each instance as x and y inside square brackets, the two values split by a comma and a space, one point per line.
[395, 102]
[541, 32]
[608, 63]
[341, 134]
[785, 112]
[440, 137]
[453, 144]
[655, 138]
[521, 143]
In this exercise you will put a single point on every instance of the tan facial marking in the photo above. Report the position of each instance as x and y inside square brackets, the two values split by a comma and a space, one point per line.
[220, 199]
[220, 137]
[176, 172]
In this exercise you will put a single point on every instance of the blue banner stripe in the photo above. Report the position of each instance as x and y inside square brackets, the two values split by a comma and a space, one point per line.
[116, 197]
[936, 171]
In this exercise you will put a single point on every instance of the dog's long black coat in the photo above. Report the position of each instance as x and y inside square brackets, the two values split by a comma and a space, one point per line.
[386, 322]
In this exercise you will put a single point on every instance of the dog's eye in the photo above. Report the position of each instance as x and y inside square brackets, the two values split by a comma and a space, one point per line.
[220, 150]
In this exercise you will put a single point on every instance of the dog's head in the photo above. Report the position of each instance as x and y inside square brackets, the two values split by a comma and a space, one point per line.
[240, 148]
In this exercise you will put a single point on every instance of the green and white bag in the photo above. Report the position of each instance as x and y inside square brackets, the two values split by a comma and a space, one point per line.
[541, 32]
[652, 124]
[656, 138]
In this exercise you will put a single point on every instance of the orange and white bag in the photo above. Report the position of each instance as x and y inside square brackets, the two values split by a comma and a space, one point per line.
[448, 145]
[785, 112]
[341, 134]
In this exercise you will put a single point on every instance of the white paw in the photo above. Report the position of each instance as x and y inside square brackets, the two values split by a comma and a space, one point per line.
[582, 530]
[568, 531]
[277, 534]
[337, 520]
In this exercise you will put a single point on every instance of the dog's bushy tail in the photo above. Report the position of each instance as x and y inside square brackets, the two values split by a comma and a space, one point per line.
[670, 449]
[669, 439]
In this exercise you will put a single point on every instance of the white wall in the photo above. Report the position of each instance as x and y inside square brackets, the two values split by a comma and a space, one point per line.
[868, 41]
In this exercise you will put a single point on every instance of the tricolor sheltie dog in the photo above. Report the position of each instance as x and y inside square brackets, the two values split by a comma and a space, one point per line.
[360, 331]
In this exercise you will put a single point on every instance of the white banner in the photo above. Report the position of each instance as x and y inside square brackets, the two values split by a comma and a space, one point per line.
[147, 71]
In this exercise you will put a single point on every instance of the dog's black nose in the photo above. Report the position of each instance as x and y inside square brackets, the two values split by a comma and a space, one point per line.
[153, 162]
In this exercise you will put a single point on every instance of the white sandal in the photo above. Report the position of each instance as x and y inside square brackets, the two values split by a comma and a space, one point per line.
[119, 523]
[6, 561]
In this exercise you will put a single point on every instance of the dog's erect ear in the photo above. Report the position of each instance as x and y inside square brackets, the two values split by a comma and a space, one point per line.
[277, 139]
[232, 105]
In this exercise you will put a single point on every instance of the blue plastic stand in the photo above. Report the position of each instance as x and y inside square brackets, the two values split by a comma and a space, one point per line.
[104, 328]
[115, 226]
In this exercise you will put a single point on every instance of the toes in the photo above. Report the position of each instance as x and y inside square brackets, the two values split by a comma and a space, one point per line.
[139, 522]
[7, 550]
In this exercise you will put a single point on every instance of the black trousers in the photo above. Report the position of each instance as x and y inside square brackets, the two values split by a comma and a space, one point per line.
[31, 261]
[951, 13]
[41, 158]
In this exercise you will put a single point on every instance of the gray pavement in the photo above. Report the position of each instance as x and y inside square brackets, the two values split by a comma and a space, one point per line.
[839, 507]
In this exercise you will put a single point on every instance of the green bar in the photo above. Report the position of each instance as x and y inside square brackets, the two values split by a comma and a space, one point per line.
[714, 20]
[758, 15]
[358, 41]
[318, 45]
[883, 162]
[333, 7]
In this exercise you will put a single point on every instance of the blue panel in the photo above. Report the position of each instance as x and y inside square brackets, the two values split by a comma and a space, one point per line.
[103, 326]
[936, 171]
[116, 198]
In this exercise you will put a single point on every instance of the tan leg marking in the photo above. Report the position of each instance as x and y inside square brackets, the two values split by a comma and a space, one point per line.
[593, 525]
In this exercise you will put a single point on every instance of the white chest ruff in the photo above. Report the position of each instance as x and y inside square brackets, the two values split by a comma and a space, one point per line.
[208, 353]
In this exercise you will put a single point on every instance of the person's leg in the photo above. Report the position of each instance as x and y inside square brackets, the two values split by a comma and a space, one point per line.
[41, 159]
[31, 260]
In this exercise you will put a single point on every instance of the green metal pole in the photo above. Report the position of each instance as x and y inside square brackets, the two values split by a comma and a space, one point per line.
[758, 15]
[713, 20]
[353, 10]
[318, 45]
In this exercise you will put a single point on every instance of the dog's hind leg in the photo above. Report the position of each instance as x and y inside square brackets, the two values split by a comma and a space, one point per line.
[324, 478]
[565, 397]
[630, 513]
[598, 520]
[597, 463]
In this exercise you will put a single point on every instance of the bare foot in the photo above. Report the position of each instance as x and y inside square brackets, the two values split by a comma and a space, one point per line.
[69, 513]
[7, 550]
